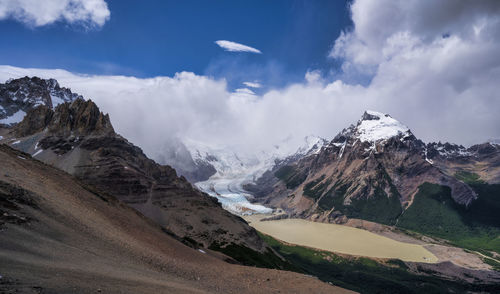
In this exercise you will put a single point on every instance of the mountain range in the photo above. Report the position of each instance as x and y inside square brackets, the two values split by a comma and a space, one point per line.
[80, 140]
[375, 170]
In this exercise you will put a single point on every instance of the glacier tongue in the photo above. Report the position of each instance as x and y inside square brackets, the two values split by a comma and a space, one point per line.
[234, 170]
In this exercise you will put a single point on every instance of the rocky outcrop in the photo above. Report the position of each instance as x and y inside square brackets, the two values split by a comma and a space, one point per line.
[78, 118]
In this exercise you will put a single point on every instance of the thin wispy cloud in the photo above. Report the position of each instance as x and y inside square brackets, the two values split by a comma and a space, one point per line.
[236, 47]
[244, 91]
[252, 85]
[89, 13]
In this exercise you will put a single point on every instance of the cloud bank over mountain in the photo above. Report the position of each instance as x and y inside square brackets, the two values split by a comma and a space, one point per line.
[435, 69]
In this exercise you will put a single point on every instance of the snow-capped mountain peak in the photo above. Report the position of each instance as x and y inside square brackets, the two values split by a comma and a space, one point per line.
[375, 126]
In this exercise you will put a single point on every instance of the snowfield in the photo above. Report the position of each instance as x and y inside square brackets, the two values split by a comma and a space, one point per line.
[383, 128]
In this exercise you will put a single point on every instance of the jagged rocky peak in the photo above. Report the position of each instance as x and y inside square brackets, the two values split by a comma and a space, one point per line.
[18, 96]
[446, 150]
[78, 118]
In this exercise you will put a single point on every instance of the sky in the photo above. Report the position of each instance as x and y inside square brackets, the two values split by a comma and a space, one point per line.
[250, 74]
[160, 38]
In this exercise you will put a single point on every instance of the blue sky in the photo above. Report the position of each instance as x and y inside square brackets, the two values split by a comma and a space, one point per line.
[160, 38]
[391, 57]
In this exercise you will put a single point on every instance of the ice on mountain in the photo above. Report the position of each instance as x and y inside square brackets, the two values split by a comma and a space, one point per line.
[234, 170]
[376, 126]
[56, 100]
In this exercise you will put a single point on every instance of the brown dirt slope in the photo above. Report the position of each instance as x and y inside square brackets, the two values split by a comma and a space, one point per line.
[60, 236]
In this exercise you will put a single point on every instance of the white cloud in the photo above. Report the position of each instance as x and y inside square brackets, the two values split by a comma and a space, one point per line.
[252, 85]
[244, 91]
[236, 47]
[34, 13]
[442, 88]
[433, 64]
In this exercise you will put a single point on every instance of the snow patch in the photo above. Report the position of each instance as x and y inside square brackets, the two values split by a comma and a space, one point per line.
[56, 100]
[36, 153]
[13, 119]
[381, 128]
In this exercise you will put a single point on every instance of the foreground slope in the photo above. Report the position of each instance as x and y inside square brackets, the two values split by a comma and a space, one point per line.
[58, 235]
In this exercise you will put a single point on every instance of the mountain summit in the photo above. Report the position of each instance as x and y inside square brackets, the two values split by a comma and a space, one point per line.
[375, 126]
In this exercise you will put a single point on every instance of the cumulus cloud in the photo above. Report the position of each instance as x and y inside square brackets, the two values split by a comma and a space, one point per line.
[431, 63]
[236, 47]
[441, 80]
[90, 13]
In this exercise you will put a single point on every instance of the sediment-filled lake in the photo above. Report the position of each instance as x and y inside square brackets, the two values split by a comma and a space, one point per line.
[341, 239]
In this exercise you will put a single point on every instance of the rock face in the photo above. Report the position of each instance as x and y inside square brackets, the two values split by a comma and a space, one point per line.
[370, 170]
[79, 139]
[21, 95]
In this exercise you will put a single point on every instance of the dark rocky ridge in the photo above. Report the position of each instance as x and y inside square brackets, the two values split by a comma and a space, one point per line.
[481, 159]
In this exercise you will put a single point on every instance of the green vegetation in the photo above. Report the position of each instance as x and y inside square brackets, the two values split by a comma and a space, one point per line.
[381, 208]
[436, 214]
[493, 263]
[316, 188]
[468, 177]
[290, 176]
[366, 275]
[250, 257]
